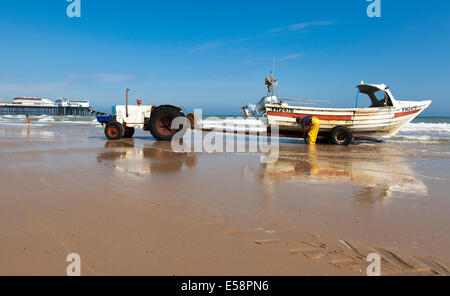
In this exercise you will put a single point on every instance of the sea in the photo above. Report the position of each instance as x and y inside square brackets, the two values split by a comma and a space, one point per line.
[423, 130]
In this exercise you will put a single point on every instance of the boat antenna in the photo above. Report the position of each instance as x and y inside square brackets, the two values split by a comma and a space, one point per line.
[276, 81]
[274, 64]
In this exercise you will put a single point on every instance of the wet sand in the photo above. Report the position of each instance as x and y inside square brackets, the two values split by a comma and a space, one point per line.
[134, 207]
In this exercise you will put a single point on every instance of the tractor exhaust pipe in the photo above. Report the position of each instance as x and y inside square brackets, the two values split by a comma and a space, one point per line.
[126, 105]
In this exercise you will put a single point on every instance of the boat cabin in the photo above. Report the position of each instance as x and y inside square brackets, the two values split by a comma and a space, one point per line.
[379, 95]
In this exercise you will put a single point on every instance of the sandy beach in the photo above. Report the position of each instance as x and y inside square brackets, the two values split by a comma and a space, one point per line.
[135, 207]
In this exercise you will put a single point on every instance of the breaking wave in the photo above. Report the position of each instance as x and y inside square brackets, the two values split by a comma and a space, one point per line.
[428, 127]
[424, 133]
[234, 124]
[49, 120]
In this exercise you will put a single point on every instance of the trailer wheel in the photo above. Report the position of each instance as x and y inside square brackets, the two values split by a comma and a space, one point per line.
[114, 131]
[340, 135]
[129, 132]
[161, 123]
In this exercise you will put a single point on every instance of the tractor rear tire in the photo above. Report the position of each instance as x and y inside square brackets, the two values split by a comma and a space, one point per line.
[340, 135]
[129, 132]
[114, 131]
[161, 123]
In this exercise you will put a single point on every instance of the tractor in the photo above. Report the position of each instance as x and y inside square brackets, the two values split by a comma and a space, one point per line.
[125, 119]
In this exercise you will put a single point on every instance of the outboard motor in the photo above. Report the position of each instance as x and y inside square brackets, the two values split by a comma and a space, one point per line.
[259, 109]
[249, 110]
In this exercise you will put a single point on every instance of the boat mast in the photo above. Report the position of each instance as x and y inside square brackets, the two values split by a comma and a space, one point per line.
[271, 82]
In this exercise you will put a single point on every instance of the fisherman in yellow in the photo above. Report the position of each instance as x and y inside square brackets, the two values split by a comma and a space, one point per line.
[310, 126]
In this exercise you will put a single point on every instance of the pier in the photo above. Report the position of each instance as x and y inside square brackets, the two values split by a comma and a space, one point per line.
[37, 111]
[38, 106]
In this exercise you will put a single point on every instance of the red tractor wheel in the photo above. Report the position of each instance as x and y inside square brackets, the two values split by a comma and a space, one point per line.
[114, 131]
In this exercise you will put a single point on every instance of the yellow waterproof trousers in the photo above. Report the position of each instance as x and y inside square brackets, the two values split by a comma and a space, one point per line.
[314, 131]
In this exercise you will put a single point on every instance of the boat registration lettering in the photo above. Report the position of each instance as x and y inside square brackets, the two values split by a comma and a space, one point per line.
[409, 109]
[284, 110]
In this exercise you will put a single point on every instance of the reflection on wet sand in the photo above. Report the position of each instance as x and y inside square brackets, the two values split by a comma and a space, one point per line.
[378, 171]
[16, 132]
[157, 157]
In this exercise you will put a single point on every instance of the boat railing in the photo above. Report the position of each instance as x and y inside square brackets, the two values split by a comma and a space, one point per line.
[312, 103]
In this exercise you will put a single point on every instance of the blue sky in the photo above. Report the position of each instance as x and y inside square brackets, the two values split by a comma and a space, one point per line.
[215, 54]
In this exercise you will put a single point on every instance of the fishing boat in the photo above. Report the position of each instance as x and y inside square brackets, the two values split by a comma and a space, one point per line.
[385, 116]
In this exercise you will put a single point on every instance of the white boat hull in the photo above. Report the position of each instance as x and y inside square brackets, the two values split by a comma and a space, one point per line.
[382, 121]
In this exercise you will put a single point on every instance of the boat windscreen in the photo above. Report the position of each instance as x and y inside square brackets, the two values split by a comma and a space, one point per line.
[367, 89]
[378, 97]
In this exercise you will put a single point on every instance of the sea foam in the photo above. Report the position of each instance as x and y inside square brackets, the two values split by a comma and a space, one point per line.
[428, 127]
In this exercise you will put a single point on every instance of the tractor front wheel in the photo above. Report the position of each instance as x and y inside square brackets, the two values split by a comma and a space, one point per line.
[114, 131]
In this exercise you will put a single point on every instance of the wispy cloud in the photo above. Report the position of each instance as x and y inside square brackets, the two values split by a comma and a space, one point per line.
[300, 26]
[269, 60]
[290, 57]
[279, 31]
